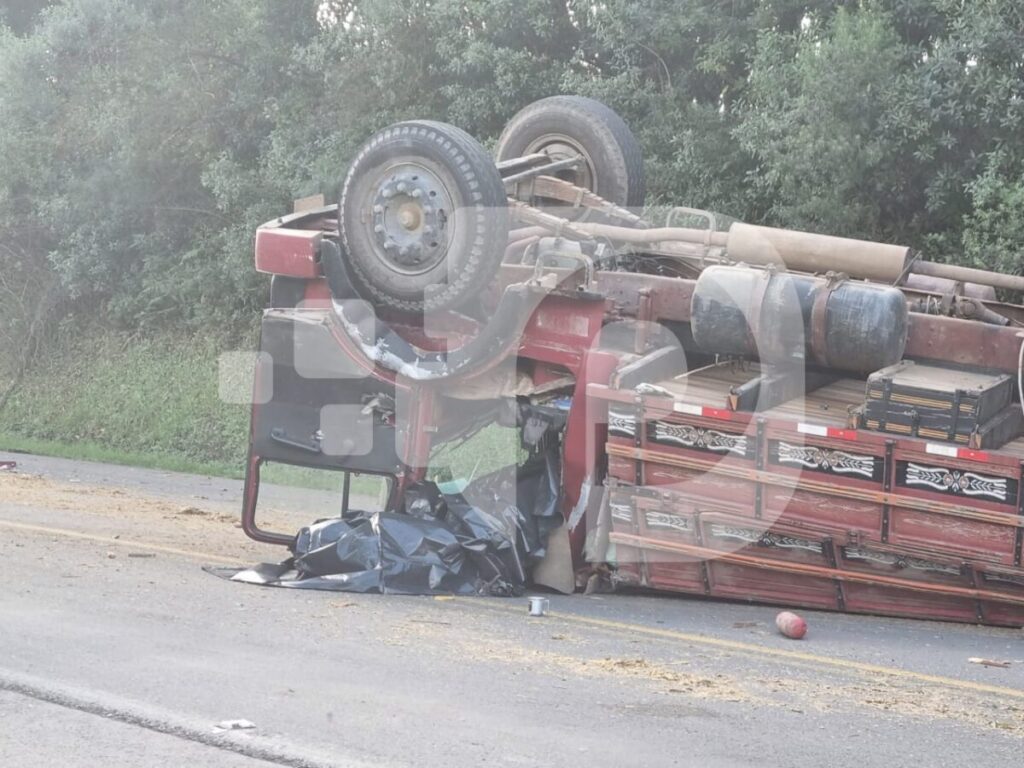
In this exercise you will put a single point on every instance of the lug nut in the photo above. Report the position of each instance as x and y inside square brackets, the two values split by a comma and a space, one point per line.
[417, 193]
[402, 186]
[379, 228]
[378, 208]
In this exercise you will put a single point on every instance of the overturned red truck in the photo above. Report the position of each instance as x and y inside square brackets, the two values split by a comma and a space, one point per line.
[736, 411]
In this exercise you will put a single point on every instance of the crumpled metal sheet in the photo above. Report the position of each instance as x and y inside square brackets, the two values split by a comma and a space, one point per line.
[438, 544]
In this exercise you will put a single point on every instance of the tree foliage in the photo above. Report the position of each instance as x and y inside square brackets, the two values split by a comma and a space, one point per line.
[141, 141]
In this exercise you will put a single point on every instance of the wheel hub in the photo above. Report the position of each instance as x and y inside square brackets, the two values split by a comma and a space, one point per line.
[411, 207]
[558, 147]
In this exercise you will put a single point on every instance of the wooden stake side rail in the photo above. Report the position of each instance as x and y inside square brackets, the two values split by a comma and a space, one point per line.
[809, 421]
[827, 489]
[956, 516]
[741, 576]
[704, 553]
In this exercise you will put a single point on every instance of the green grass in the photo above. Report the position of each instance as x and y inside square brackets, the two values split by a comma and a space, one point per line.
[319, 479]
[156, 403]
[156, 397]
[87, 451]
[488, 450]
[279, 474]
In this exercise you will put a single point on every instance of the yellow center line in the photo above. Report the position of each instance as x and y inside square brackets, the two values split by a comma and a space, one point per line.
[749, 649]
[736, 646]
[128, 543]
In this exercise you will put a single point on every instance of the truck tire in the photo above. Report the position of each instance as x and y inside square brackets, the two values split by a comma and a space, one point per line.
[561, 126]
[423, 217]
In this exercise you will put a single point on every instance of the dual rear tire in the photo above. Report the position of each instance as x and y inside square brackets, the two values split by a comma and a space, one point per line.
[612, 164]
[424, 216]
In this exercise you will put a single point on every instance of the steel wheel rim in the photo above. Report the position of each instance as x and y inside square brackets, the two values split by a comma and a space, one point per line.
[410, 216]
[558, 146]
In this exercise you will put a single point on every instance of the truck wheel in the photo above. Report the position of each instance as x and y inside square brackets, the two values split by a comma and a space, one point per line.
[563, 126]
[423, 217]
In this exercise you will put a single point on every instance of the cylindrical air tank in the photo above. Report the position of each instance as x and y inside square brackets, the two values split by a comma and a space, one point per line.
[782, 318]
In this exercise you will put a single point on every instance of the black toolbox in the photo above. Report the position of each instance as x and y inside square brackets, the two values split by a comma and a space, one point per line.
[941, 404]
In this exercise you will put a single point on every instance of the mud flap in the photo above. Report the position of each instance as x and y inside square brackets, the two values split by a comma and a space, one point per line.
[555, 569]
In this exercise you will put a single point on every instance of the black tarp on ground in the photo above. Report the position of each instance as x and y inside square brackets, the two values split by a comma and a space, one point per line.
[481, 541]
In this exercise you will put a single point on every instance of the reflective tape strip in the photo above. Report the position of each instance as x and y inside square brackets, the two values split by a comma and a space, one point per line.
[812, 429]
[703, 411]
[819, 430]
[692, 410]
[952, 452]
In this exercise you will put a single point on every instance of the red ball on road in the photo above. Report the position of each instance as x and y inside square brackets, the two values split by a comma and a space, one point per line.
[791, 625]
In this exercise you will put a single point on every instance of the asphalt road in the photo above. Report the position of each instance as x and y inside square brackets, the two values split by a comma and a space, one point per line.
[117, 649]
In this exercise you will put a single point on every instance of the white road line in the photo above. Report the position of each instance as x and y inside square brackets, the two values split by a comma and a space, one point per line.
[142, 716]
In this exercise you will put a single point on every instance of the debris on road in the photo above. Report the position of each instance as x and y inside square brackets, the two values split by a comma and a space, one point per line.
[8, 465]
[988, 662]
[539, 606]
[791, 625]
[141, 554]
[234, 725]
